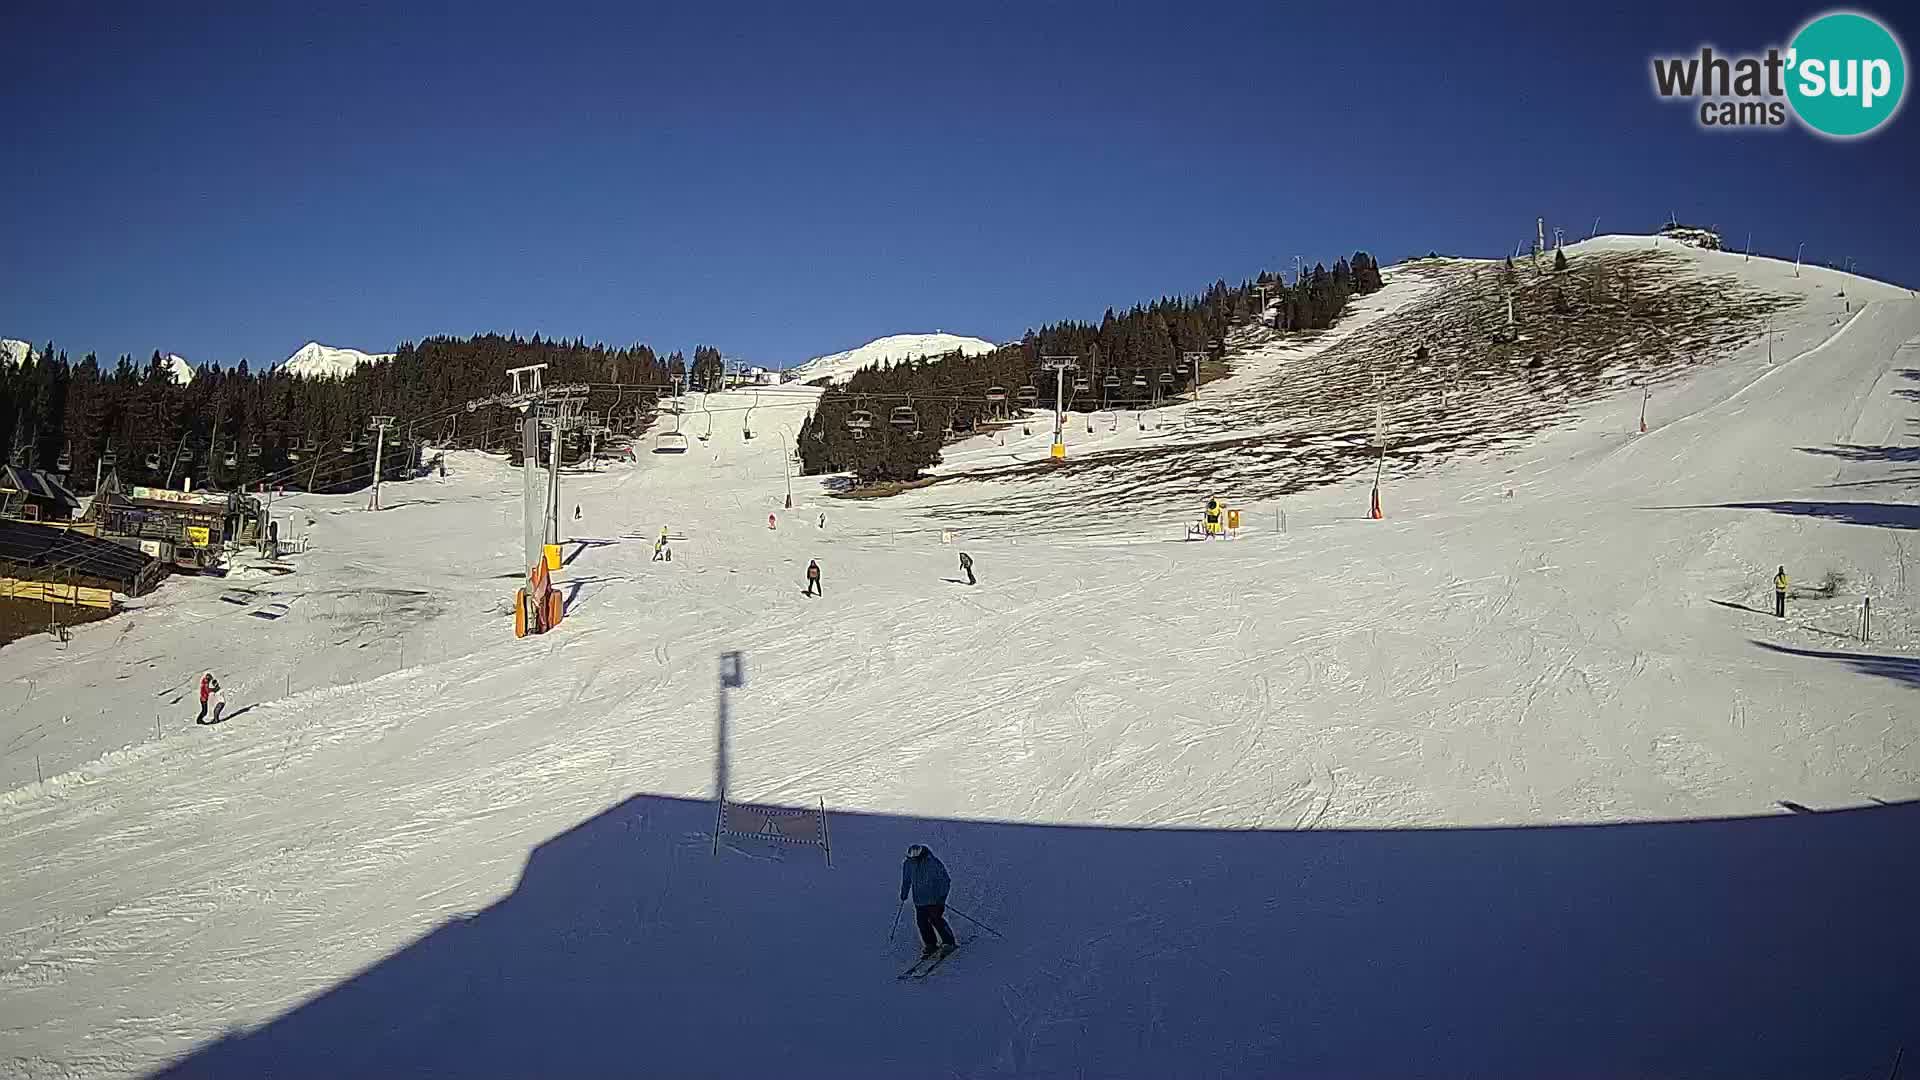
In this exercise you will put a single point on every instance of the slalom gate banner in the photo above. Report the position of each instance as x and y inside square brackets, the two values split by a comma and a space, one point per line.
[782, 824]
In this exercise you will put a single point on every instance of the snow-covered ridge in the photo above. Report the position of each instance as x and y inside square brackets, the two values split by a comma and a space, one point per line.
[316, 361]
[15, 351]
[178, 366]
[892, 349]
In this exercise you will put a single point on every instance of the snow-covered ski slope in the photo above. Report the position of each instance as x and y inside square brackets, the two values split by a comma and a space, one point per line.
[1504, 784]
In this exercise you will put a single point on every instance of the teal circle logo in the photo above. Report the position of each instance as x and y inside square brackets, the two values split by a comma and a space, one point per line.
[1846, 74]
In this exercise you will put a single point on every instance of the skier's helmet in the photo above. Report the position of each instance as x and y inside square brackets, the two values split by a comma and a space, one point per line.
[914, 851]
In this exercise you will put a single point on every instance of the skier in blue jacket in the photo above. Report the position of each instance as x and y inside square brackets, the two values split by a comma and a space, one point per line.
[925, 877]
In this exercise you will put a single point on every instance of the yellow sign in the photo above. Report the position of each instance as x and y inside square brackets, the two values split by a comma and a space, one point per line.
[1233, 519]
[199, 535]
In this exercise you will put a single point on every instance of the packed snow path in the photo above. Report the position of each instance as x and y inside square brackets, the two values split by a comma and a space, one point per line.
[470, 854]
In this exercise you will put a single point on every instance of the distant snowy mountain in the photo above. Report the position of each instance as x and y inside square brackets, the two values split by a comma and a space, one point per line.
[16, 351]
[840, 366]
[317, 361]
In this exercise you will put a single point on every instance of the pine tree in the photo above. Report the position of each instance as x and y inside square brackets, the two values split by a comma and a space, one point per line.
[1559, 259]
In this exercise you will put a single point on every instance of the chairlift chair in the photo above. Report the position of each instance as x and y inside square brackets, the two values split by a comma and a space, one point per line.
[904, 418]
[996, 394]
[185, 455]
[1029, 396]
[859, 422]
[1166, 378]
[233, 454]
[1081, 386]
[1111, 382]
[669, 442]
[108, 459]
[153, 461]
[65, 461]
[253, 451]
[1139, 381]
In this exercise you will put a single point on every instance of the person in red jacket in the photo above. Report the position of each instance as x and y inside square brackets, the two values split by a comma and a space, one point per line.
[209, 694]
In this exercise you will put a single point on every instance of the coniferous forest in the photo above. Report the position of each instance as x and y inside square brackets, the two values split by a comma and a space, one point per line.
[234, 427]
[890, 423]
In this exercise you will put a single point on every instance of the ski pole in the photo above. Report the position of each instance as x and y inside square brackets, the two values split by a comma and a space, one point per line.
[896, 919]
[978, 923]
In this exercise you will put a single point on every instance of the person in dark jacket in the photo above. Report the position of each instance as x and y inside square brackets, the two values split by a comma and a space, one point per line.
[966, 563]
[1780, 584]
[925, 877]
[813, 579]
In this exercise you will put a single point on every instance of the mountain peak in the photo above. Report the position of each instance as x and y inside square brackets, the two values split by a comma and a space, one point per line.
[891, 349]
[316, 361]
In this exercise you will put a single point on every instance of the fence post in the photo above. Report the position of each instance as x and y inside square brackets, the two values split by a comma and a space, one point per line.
[1866, 619]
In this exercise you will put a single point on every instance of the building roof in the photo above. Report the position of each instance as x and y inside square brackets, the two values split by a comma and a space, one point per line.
[43, 552]
[35, 484]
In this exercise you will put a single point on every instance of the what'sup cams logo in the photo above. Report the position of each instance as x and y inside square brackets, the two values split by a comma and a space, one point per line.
[1843, 76]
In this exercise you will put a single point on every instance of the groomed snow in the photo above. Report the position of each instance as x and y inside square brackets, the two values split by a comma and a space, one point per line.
[1304, 802]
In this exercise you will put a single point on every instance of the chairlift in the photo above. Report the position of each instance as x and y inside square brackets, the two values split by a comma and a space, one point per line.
[904, 418]
[1166, 378]
[65, 461]
[108, 459]
[859, 421]
[1029, 396]
[185, 455]
[1139, 381]
[233, 454]
[153, 461]
[1111, 382]
[1081, 386]
[669, 442]
[313, 445]
[253, 451]
[996, 394]
[346, 445]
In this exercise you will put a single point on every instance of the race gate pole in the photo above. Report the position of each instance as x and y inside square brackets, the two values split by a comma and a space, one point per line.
[826, 844]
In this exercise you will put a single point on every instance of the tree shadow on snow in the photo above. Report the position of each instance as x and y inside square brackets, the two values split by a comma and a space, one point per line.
[1884, 515]
[1904, 669]
[629, 948]
[1859, 452]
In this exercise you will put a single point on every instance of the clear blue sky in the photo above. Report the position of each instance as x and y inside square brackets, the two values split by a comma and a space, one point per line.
[783, 180]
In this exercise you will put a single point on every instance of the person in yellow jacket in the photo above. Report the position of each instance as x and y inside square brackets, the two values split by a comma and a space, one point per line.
[1780, 594]
[1213, 517]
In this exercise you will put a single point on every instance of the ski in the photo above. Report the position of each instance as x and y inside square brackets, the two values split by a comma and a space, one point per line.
[938, 960]
[915, 966]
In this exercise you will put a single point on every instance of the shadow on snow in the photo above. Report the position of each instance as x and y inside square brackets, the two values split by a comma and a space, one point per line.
[1905, 669]
[1886, 515]
[1776, 946]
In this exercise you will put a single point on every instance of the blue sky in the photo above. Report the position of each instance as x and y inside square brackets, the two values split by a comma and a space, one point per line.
[785, 180]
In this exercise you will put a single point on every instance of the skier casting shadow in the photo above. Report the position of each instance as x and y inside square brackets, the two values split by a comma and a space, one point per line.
[925, 877]
[813, 579]
[210, 695]
[966, 564]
